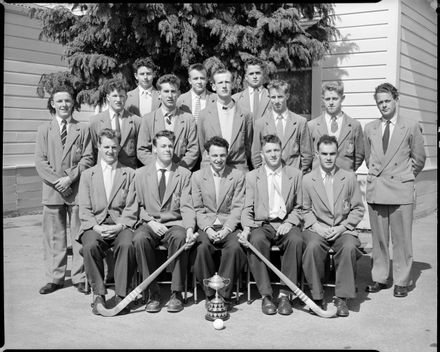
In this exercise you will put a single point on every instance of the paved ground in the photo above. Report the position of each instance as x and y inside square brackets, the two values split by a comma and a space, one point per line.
[63, 320]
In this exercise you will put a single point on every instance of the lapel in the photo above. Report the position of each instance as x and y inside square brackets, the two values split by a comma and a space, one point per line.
[376, 138]
[322, 126]
[155, 99]
[286, 183]
[105, 120]
[135, 97]
[54, 133]
[72, 135]
[98, 183]
[173, 181]
[225, 182]
[244, 96]
[127, 126]
[291, 126]
[263, 101]
[236, 125]
[345, 129]
[395, 142]
[337, 184]
[208, 184]
[158, 123]
[319, 188]
[117, 182]
[151, 184]
[269, 122]
[213, 120]
[262, 187]
[179, 124]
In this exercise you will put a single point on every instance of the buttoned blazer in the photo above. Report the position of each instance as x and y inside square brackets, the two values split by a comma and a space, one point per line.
[296, 143]
[242, 99]
[185, 103]
[186, 148]
[132, 102]
[256, 204]
[129, 136]
[52, 161]
[176, 207]
[122, 205]
[242, 131]
[348, 208]
[351, 149]
[231, 197]
[391, 176]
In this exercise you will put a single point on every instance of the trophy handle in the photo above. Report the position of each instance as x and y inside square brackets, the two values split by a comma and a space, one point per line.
[206, 282]
[227, 281]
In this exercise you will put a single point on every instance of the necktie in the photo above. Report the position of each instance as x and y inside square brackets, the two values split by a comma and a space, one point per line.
[329, 189]
[168, 118]
[333, 125]
[63, 132]
[108, 181]
[162, 185]
[280, 129]
[276, 194]
[217, 179]
[256, 103]
[117, 125]
[197, 108]
[386, 136]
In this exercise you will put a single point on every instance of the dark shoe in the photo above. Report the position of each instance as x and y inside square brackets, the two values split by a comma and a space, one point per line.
[124, 311]
[153, 304]
[284, 306]
[320, 303]
[375, 287]
[98, 300]
[49, 288]
[400, 291]
[81, 287]
[267, 306]
[341, 307]
[175, 304]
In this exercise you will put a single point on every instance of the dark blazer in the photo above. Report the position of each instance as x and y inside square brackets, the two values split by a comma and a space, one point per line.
[132, 103]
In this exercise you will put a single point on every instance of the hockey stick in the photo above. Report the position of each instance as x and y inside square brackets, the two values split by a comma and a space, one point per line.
[312, 305]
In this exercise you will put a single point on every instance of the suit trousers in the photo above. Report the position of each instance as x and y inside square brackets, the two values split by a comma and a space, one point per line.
[347, 252]
[145, 242]
[397, 220]
[55, 243]
[94, 248]
[291, 247]
[232, 261]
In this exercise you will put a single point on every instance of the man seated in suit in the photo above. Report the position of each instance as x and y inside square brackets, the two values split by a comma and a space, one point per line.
[334, 122]
[218, 197]
[169, 117]
[332, 208]
[108, 211]
[255, 98]
[272, 216]
[224, 118]
[290, 128]
[118, 119]
[166, 216]
[144, 98]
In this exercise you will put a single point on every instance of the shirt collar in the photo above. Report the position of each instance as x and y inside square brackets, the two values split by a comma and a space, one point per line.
[59, 119]
[284, 114]
[113, 112]
[194, 95]
[324, 173]
[225, 107]
[158, 167]
[393, 120]
[148, 91]
[172, 112]
[214, 173]
[106, 166]
[269, 170]
[328, 116]
[258, 90]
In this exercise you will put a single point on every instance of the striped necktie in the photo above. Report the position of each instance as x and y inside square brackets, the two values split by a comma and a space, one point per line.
[117, 125]
[197, 108]
[256, 103]
[63, 132]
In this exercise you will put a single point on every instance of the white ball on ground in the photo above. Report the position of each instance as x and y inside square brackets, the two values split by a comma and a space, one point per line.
[218, 324]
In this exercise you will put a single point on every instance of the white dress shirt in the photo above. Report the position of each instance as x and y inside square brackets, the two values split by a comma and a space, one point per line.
[217, 179]
[284, 118]
[108, 172]
[226, 118]
[202, 101]
[252, 91]
[159, 173]
[169, 127]
[328, 121]
[59, 119]
[145, 100]
[277, 207]
[112, 119]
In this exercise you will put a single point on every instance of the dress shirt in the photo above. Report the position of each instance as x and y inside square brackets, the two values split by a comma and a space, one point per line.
[277, 209]
[328, 122]
[329, 197]
[217, 179]
[108, 172]
[172, 114]
[226, 118]
[60, 124]
[392, 125]
[202, 101]
[252, 91]
[145, 100]
[159, 173]
[284, 120]
[112, 119]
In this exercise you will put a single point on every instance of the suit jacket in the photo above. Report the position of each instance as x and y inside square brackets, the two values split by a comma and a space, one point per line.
[186, 149]
[256, 204]
[132, 103]
[348, 208]
[390, 178]
[185, 103]
[242, 100]
[296, 144]
[93, 205]
[176, 207]
[241, 141]
[53, 162]
[351, 150]
[129, 136]
[231, 197]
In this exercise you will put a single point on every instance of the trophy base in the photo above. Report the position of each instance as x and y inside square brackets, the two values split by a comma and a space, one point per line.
[214, 316]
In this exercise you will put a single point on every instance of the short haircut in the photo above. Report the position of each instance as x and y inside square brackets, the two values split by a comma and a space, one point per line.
[62, 89]
[254, 61]
[218, 71]
[218, 142]
[198, 67]
[387, 88]
[144, 61]
[326, 139]
[336, 86]
[110, 134]
[168, 78]
[270, 138]
[164, 133]
[115, 83]
[279, 84]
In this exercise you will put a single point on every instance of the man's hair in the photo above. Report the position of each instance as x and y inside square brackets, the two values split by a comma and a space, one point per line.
[115, 83]
[218, 142]
[198, 67]
[144, 61]
[279, 84]
[270, 138]
[164, 133]
[254, 61]
[218, 71]
[168, 78]
[110, 134]
[62, 89]
[387, 88]
[336, 86]
[326, 139]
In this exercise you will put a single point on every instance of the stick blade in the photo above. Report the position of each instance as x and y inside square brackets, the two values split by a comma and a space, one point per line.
[108, 312]
[329, 313]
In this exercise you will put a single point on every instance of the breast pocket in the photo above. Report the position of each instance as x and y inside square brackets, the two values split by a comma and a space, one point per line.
[349, 149]
[76, 153]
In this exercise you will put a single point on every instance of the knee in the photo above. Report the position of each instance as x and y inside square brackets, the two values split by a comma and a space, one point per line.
[312, 246]
[177, 234]
[89, 247]
[257, 237]
[140, 239]
[293, 238]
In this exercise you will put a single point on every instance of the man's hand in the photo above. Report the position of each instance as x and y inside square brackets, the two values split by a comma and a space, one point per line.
[68, 192]
[190, 237]
[102, 230]
[335, 232]
[284, 228]
[113, 229]
[221, 234]
[243, 236]
[320, 230]
[212, 235]
[158, 228]
[62, 184]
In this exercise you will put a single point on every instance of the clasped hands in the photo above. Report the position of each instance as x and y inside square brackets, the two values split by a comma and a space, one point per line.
[62, 185]
[160, 230]
[329, 233]
[108, 231]
[216, 236]
[283, 229]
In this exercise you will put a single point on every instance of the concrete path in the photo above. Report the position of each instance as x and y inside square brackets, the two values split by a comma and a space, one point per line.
[63, 319]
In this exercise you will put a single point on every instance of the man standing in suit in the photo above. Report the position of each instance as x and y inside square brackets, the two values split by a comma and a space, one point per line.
[63, 151]
[172, 118]
[225, 119]
[167, 217]
[272, 216]
[334, 122]
[332, 208]
[144, 98]
[119, 120]
[290, 128]
[218, 197]
[255, 98]
[108, 211]
[395, 155]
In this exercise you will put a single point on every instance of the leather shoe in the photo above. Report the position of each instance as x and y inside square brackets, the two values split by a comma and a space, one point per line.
[284, 306]
[320, 303]
[400, 291]
[124, 311]
[98, 300]
[49, 288]
[375, 287]
[267, 306]
[153, 304]
[341, 307]
[81, 287]
[175, 304]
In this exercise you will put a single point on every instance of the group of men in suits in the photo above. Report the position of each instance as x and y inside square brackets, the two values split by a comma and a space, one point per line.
[158, 168]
